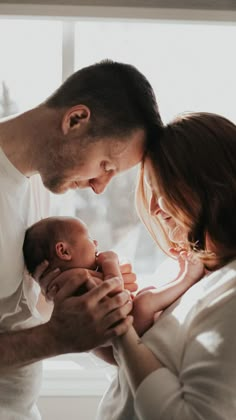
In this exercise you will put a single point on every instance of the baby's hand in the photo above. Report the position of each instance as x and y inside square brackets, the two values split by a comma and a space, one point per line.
[191, 267]
[129, 277]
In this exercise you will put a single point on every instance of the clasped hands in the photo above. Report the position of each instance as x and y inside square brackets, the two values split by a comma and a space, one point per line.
[104, 309]
[82, 321]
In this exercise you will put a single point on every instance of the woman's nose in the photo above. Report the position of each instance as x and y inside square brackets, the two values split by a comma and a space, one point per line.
[154, 207]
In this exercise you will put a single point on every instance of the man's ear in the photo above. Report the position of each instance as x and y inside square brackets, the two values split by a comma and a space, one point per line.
[63, 251]
[74, 117]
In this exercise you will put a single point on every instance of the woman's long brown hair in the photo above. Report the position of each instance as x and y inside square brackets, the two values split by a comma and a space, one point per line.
[194, 162]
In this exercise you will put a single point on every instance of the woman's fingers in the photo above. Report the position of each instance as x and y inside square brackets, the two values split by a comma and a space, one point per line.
[130, 282]
[129, 278]
[126, 268]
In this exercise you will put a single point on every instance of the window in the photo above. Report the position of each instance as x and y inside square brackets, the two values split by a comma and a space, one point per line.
[191, 66]
[31, 68]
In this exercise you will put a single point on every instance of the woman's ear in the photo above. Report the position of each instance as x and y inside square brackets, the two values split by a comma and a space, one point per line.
[75, 117]
[63, 251]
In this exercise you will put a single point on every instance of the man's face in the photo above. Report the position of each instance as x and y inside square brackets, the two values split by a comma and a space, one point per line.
[93, 165]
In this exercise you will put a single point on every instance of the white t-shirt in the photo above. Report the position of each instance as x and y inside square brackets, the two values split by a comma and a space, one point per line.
[23, 201]
[195, 339]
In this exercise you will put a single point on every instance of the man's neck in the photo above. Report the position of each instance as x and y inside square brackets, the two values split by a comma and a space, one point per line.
[23, 137]
[15, 141]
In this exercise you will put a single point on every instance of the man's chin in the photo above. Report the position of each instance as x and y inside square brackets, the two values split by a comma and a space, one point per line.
[56, 188]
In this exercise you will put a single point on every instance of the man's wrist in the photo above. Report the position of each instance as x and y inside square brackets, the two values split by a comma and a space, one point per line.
[23, 347]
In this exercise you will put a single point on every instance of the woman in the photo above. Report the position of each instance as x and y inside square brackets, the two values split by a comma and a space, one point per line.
[184, 368]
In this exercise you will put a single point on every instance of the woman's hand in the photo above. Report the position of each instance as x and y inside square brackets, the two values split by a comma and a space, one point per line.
[129, 277]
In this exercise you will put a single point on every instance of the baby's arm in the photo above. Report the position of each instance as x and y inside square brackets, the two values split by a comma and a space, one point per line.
[150, 301]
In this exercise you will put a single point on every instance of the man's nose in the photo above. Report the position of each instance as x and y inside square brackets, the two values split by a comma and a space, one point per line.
[99, 184]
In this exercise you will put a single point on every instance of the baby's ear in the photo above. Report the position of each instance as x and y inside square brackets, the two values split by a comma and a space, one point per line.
[63, 251]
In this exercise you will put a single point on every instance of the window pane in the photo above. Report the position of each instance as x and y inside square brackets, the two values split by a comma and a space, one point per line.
[190, 65]
[31, 69]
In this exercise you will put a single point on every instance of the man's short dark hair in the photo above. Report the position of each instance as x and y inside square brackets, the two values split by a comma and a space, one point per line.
[119, 97]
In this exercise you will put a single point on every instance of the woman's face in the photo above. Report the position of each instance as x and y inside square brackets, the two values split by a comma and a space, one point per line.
[160, 208]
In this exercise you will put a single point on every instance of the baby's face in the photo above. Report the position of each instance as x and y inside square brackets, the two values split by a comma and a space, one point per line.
[83, 247]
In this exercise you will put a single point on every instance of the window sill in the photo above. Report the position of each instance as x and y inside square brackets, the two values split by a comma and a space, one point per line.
[70, 378]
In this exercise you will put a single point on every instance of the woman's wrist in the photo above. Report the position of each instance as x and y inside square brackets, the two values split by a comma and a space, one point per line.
[135, 358]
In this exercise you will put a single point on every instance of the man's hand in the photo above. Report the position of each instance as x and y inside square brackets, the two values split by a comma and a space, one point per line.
[80, 323]
[47, 280]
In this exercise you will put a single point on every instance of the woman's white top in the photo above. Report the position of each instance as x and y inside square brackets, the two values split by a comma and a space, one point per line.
[195, 340]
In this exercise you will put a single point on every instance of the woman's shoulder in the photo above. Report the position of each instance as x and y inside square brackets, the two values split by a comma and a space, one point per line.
[223, 277]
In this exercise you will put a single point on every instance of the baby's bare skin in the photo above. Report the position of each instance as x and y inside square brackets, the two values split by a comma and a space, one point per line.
[149, 302]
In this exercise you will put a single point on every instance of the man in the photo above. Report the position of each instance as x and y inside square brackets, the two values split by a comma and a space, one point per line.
[93, 127]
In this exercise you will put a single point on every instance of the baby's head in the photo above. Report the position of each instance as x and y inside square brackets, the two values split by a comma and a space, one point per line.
[63, 241]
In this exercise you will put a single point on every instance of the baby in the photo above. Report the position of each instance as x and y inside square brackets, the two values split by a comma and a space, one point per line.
[65, 243]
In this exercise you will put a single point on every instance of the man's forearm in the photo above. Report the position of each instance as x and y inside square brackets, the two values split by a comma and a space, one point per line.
[26, 346]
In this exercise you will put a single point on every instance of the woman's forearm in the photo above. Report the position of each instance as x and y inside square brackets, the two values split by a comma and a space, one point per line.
[137, 360]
